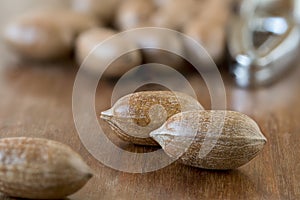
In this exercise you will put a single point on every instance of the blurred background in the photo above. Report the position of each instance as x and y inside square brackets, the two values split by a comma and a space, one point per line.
[254, 44]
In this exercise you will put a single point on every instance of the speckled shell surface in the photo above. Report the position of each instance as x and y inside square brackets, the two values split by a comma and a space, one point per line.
[211, 139]
[40, 169]
[135, 115]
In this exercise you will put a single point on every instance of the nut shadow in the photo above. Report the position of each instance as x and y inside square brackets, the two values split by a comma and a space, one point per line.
[178, 181]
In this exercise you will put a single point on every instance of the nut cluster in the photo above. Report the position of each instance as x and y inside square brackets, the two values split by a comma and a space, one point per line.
[43, 169]
[134, 116]
[210, 139]
[46, 35]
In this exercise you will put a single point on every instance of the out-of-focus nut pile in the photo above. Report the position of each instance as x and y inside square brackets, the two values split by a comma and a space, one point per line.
[108, 51]
[47, 35]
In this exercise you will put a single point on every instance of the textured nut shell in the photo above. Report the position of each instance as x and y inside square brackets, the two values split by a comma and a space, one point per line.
[88, 40]
[40, 169]
[198, 139]
[46, 35]
[134, 13]
[135, 115]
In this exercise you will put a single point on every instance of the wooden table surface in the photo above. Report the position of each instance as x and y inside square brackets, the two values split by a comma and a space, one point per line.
[36, 101]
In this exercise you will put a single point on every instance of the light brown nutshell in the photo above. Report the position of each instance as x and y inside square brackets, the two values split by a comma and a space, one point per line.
[209, 29]
[103, 10]
[40, 169]
[211, 139]
[98, 56]
[134, 13]
[135, 115]
[175, 13]
[46, 34]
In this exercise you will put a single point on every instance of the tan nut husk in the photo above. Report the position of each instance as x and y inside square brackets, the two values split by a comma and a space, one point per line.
[209, 29]
[174, 14]
[98, 55]
[103, 10]
[40, 169]
[134, 13]
[46, 34]
[135, 115]
[211, 139]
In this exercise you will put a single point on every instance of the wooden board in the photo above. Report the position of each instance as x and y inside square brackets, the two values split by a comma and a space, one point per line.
[36, 101]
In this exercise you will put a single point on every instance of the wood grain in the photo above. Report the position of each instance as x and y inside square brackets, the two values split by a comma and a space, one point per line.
[36, 101]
